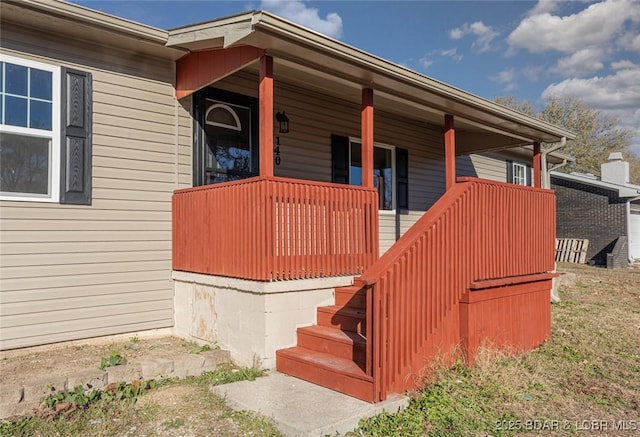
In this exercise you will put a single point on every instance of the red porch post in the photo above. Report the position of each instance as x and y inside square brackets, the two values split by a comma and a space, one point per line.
[449, 152]
[367, 137]
[537, 165]
[266, 115]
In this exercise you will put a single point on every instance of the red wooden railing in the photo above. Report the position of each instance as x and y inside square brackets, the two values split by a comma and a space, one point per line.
[478, 232]
[272, 228]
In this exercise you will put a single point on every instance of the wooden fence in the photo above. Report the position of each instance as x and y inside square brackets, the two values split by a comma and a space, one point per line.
[272, 228]
[476, 235]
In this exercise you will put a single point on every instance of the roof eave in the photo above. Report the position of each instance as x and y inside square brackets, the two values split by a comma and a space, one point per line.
[265, 21]
[85, 20]
[256, 27]
[623, 191]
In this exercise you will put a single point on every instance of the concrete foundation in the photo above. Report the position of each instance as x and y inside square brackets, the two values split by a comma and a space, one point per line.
[250, 319]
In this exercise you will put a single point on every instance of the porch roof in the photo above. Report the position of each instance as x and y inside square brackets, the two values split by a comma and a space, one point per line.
[315, 60]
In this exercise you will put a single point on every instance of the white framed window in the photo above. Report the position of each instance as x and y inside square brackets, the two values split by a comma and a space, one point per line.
[29, 130]
[384, 171]
[519, 174]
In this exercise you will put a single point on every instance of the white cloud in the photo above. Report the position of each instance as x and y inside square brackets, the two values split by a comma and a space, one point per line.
[630, 41]
[457, 33]
[452, 53]
[581, 63]
[543, 7]
[623, 64]
[616, 95]
[432, 57]
[426, 62]
[299, 12]
[484, 35]
[597, 25]
[533, 72]
[507, 78]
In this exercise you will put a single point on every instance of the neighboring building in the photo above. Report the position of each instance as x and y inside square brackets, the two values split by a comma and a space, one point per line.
[234, 181]
[600, 209]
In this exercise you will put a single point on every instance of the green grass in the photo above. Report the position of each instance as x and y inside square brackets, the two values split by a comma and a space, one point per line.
[589, 370]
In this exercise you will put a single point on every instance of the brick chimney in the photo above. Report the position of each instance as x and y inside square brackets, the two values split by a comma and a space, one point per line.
[616, 170]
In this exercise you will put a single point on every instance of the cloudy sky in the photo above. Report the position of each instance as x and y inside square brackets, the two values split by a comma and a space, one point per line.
[525, 49]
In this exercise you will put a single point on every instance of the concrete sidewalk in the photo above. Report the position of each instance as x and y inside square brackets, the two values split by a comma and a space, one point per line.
[300, 408]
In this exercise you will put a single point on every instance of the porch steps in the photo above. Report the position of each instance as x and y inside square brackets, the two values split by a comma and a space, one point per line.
[327, 370]
[354, 296]
[343, 344]
[333, 353]
[343, 318]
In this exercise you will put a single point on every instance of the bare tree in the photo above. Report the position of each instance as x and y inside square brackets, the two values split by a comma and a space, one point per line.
[597, 135]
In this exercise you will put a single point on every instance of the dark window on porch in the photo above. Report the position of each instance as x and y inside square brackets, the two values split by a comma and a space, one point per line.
[383, 172]
[390, 170]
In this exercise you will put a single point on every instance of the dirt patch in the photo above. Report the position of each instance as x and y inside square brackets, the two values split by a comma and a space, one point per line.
[23, 365]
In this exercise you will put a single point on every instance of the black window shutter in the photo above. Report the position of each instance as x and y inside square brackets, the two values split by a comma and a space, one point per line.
[529, 180]
[402, 179]
[339, 159]
[75, 147]
[510, 171]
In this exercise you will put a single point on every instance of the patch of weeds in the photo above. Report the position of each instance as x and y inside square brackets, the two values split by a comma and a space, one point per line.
[173, 423]
[458, 404]
[599, 400]
[406, 423]
[66, 401]
[114, 359]
[135, 343]
[226, 374]
[196, 348]
[250, 423]
[15, 427]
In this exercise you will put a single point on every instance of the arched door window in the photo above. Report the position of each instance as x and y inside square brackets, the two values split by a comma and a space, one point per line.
[225, 142]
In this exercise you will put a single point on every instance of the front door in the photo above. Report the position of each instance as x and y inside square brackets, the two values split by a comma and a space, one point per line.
[226, 147]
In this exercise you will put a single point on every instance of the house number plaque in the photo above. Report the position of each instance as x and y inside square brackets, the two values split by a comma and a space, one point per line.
[276, 151]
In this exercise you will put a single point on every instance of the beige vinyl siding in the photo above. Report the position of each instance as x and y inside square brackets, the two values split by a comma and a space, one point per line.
[483, 165]
[71, 271]
[306, 150]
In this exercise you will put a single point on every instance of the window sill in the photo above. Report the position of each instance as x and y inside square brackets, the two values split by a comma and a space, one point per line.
[27, 199]
[386, 212]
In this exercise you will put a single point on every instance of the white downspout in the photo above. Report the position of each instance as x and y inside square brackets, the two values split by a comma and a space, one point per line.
[628, 205]
[546, 182]
[557, 166]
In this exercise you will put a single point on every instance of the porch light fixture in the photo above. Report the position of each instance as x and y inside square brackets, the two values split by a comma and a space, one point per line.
[283, 120]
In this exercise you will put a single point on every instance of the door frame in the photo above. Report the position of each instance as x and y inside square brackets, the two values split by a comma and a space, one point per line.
[199, 142]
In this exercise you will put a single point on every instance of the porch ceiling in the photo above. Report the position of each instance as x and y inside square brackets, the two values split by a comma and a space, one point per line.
[312, 60]
[470, 136]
